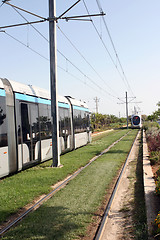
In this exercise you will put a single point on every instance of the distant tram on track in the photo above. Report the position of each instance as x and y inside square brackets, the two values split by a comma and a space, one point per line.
[25, 126]
[136, 121]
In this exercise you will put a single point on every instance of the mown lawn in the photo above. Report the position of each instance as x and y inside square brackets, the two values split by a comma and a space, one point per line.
[68, 213]
[20, 189]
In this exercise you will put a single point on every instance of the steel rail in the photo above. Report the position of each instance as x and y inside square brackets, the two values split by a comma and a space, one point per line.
[48, 196]
[100, 230]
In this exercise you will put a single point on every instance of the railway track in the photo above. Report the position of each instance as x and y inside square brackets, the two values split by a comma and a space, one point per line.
[101, 229]
[57, 188]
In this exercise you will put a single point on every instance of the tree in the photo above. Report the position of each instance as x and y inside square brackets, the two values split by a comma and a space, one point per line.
[156, 115]
[99, 120]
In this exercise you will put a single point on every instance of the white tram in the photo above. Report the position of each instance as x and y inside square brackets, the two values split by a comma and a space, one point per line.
[25, 126]
[136, 121]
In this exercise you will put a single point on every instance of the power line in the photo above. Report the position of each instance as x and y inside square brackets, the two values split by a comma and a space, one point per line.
[30, 24]
[25, 45]
[9, 35]
[115, 65]
[60, 17]
[44, 19]
[96, 101]
[113, 45]
[61, 52]
[100, 88]
[72, 75]
[84, 73]
[85, 59]
[33, 14]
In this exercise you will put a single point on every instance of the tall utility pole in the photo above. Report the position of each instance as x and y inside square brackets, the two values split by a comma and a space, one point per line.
[53, 64]
[127, 109]
[126, 102]
[96, 101]
[53, 83]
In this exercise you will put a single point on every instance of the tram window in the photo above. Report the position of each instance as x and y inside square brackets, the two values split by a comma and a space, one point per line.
[34, 121]
[61, 121]
[45, 121]
[77, 121]
[25, 121]
[64, 121]
[3, 123]
[136, 120]
[85, 121]
[67, 120]
[18, 118]
[81, 121]
[49, 124]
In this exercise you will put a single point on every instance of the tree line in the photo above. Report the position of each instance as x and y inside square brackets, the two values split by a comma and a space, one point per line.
[155, 115]
[103, 121]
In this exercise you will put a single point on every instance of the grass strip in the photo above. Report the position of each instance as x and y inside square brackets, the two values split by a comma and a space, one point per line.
[18, 190]
[68, 213]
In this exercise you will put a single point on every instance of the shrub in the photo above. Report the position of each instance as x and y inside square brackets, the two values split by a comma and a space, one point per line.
[153, 139]
[157, 222]
[149, 125]
[154, 157]
[158, 186]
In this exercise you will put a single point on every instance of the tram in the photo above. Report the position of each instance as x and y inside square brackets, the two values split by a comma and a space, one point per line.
[25, 126]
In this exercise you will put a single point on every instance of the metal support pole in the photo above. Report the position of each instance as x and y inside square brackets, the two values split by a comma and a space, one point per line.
[96, 101]
[127, 109]
[53, 83]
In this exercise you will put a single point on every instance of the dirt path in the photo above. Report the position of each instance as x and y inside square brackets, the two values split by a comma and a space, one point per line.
[119, 218]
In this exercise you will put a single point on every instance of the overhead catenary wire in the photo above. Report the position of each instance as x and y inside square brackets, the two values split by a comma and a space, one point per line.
[99, 35]
[85, 59]
[113, 45]
[31, 24]
[93, 82]
[33, 14]
[70, 43]
[99, 87]
[123, 76]
[36, 52]
[25, 45]
[72, 75]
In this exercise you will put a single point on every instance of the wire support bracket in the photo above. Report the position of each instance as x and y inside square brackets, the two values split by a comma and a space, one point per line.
[22, 24]
[83, 16]
[6, 1]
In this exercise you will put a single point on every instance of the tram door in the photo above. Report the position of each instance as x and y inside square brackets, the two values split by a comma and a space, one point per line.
[30, 132]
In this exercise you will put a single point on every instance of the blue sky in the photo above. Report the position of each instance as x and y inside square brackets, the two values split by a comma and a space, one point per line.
[134, 27]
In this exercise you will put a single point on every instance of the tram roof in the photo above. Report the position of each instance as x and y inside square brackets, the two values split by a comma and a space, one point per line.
[39, 92]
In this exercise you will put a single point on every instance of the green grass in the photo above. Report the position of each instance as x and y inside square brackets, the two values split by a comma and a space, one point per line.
[22, 188]
[68, 213]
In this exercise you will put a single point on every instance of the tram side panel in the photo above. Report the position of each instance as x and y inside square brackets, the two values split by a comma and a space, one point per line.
[81, 126]
[45, 129]
[65, 135]
[11, 129]
[25, 128]
[34, 132]
[4, 159]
